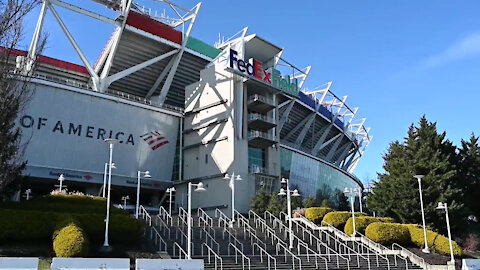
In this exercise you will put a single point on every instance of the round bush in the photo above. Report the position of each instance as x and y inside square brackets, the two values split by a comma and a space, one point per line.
[70, 242]
[361, 223]
[435, 241]
[316, 214]
[388, 233]
[339, 219]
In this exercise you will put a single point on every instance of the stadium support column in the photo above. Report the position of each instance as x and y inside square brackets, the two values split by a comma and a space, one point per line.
[32, 51]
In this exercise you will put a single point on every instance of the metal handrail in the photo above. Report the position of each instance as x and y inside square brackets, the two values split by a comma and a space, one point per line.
[220, 214]
[269, 257]
[212, 239]
[164, 227]
[180, 251]
[159, 237]
[237, 251]
[225, 222]
[145, 215]
[316, 255]
[378, 245]
[411, 254]
[250, 230]
[284, 214]
[206, 217]
[164, 213]
[230, 236]
[285, 249]
[215, 255]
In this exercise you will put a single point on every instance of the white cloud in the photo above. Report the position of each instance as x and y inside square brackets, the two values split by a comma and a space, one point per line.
[464, 48]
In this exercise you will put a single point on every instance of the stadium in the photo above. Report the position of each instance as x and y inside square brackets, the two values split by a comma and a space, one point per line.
[184, 110]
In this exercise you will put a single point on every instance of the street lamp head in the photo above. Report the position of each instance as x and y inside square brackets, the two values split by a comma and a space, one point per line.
[172, 189]
[346, 190]
[284, 181]
[282, 192]
[440, 206]
[419, 176]
[111, 141]
[61, 178]
[226, 177]
[295, 193]
[113, 165]
[238, 177]
[200, 188]
[146, 174]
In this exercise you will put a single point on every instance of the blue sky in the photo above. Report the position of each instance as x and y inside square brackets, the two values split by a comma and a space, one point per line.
[396, 60]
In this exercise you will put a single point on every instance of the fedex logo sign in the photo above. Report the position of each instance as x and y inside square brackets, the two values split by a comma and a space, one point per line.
[271, 76]
[253, 69]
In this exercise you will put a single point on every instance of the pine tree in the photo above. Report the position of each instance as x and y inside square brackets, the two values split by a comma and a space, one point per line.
[427, 152]
[275, 206]
[469, 173]
[309, 202]
[259, 203]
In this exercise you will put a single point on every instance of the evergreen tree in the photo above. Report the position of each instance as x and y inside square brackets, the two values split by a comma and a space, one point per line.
[469, 173]
[426, 152]
[296, 202]
[275, 206]
[309, 202]
[259, 203]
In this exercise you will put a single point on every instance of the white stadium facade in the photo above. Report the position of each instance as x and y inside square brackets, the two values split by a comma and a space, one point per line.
[184, 110]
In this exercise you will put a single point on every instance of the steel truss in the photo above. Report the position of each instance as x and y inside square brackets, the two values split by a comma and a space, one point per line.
[100, 79]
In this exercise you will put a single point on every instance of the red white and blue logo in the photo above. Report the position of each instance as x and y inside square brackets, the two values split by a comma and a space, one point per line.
[154, 139]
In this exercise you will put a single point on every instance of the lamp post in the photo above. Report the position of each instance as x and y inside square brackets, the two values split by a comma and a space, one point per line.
[27, 194]
[198, 188]
[360, 199]
[351, 193]
[61, 179]
[146, 174]
[231, 184]
[289, 193]
[170, 190]
[419, 178]
[110, 142]
[105, 177]
[442, 206]
[125, 199]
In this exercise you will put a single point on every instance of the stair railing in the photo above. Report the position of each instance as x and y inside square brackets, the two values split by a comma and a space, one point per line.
[262, 252]
[237, 252]
[183, 214]
[311, 252]
[158, 240]
[279, 247]
[165, 215]
[242, 221]
[209, 238]
[273, 235]
[145, 215]
[376, 253]
[221, 221]
[231, 237]
[180, 250]
[420, 261]
[215, 255]
[285, 216]
[205, 216]
[181, 234]
[346, 249]
[163, 226]
[220, 214]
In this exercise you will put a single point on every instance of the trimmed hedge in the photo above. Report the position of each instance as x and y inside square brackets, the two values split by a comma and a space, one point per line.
[361, 223]
[339, 219]
[70, 241]
[388, 233]
[22, 225]
[316, 214]
[435, 241]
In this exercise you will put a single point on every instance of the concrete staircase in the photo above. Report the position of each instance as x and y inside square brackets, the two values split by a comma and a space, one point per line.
[261, 242]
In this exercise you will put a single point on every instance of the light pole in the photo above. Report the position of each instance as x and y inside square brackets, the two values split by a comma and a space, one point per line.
[351, 193]
[419, 178]
[105, 177]
[360, 199]
[61, 179]
[289, 193]
[146, 174]
[198, 188]
[442, 206]
[125, 199]
[27, 194]
[231, 184]
[170, 190]
[110, 142]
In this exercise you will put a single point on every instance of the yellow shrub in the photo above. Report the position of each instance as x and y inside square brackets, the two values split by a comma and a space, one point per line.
[338, 219]
[435, 241]
[361, 223]
[388, 233]
[70, 242]
[316, 214]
